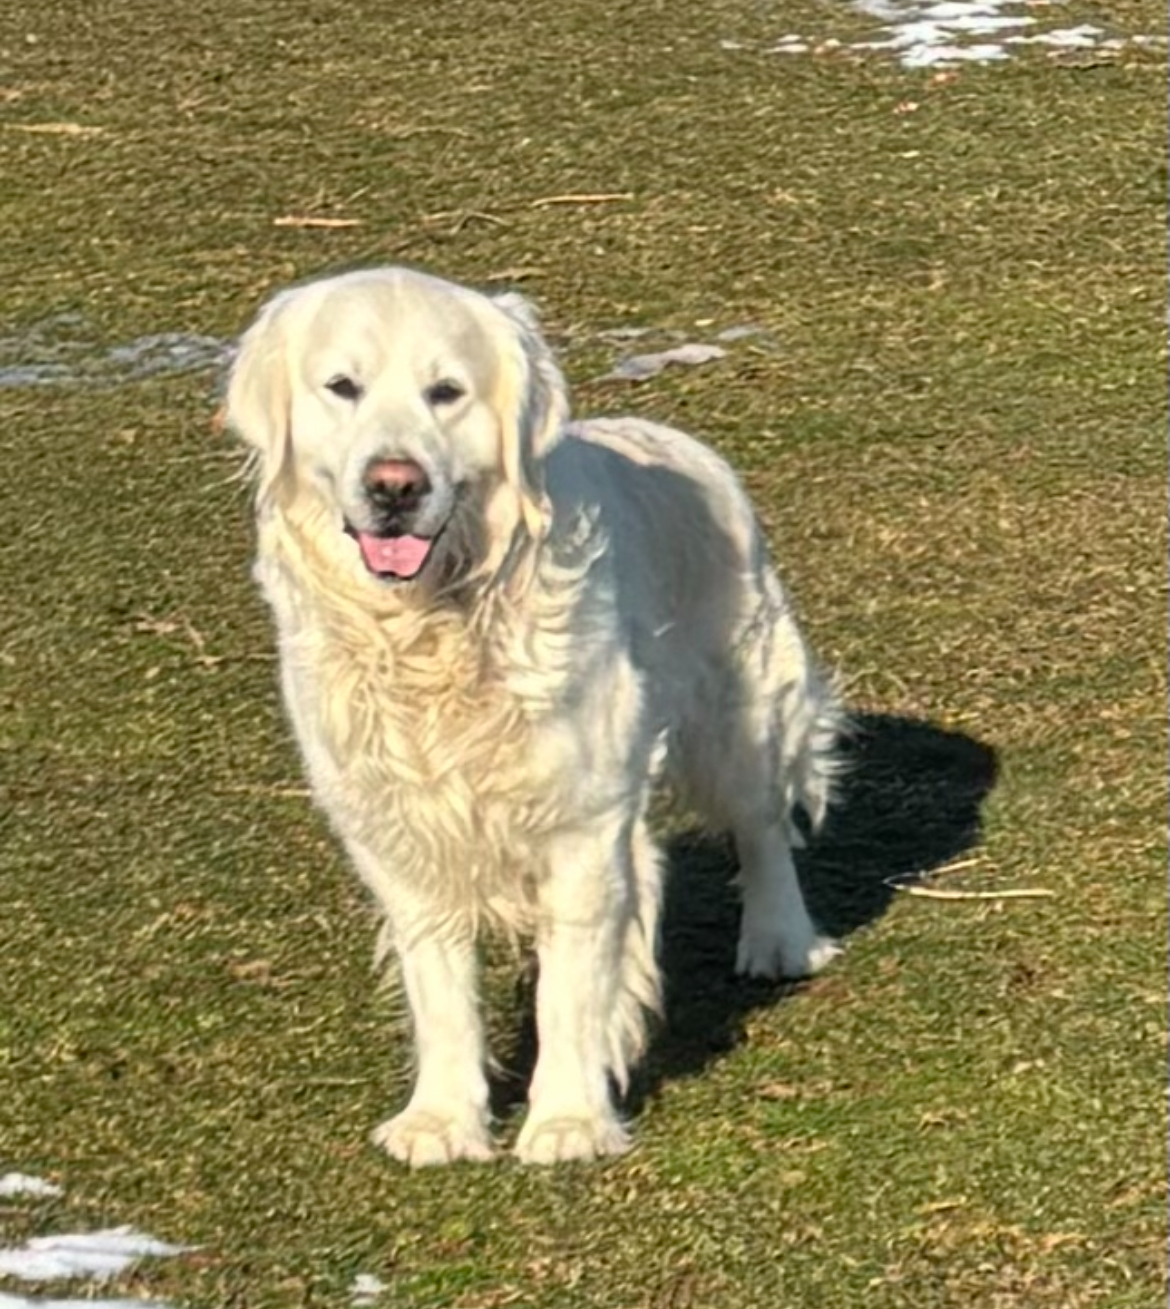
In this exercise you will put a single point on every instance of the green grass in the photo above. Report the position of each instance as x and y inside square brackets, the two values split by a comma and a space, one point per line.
[956, 440]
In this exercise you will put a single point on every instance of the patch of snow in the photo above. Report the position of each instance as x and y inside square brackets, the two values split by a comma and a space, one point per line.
[944, 33]
[741, 332]
[24, 1302]
[927, 56]
[90, 1254]
[639, 368]
[624, 333]
[36, 375]
[1085, 37]
[48, 354]
[366, 1289]
[166, 352]
[23, 1184]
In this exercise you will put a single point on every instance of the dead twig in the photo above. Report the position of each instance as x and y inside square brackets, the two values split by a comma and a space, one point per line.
[519, 274]
[923, 889]
[919, 884]
[955, 866]
[179, 622]
[942, 893]
[405, 133]
[56, 129]
[586, 198]
[199, 641]
[462, 217]
[305, 220]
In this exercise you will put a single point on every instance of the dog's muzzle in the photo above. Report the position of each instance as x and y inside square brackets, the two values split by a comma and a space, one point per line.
[396, 490]
[398, 540]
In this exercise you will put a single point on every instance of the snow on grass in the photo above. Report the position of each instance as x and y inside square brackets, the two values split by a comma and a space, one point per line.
[639, 368]
[96, 1255]
[93, 1256]
[24, 1302]
[24, 1184]
[366, 1289]
[944, 33]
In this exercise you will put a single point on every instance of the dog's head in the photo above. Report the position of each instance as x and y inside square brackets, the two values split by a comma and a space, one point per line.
[414, 412]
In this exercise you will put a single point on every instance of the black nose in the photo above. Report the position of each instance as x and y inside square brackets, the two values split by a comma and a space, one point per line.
[396, 486]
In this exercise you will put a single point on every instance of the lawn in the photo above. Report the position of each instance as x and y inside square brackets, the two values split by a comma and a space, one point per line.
[952, 417]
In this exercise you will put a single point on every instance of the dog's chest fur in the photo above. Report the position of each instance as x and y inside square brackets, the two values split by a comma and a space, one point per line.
[423, 744]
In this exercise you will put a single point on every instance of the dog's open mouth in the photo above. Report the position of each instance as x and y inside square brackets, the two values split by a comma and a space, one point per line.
[393, 558]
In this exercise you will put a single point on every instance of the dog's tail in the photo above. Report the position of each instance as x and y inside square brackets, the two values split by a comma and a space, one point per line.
[815, 757]
[812, 724]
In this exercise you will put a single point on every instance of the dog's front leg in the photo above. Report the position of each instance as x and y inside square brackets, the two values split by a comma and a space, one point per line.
[447, 1117]
[585, 904]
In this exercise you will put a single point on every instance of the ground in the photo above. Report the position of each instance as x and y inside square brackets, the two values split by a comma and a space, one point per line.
[952, 419]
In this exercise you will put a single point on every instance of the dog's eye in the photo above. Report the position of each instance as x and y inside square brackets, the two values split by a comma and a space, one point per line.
[445, 392]
[345, 388]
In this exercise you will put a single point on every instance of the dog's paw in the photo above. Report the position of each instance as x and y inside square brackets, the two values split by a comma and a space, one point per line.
[420, 1138]
[557, 1139]
[773, 955]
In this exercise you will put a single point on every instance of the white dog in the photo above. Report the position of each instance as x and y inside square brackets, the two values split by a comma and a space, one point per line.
[497, 630]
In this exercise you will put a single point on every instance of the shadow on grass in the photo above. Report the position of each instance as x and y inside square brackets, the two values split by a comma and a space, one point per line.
[910, 800]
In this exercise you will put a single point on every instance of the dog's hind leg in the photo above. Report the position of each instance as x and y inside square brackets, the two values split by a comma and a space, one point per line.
[786, 762]
[762, 745]
[777, 937]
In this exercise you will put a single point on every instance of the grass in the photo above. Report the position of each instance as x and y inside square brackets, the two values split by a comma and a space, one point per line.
[955, 434]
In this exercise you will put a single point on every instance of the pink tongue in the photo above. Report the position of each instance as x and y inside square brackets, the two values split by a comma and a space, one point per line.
[401, 555]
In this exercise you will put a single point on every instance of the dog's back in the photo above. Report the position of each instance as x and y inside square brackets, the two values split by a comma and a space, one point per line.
[707, 618]
[685, 548]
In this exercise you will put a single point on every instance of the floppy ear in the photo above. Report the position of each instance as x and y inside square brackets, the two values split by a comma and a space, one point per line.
[534, 407]
[259, 399]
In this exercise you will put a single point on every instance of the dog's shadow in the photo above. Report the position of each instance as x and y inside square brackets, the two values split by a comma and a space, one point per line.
[910, 799]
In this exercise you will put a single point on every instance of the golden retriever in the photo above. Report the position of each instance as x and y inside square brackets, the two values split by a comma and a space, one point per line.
[498, 630]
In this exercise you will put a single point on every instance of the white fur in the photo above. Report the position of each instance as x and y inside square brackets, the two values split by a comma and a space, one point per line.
[599, 611]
